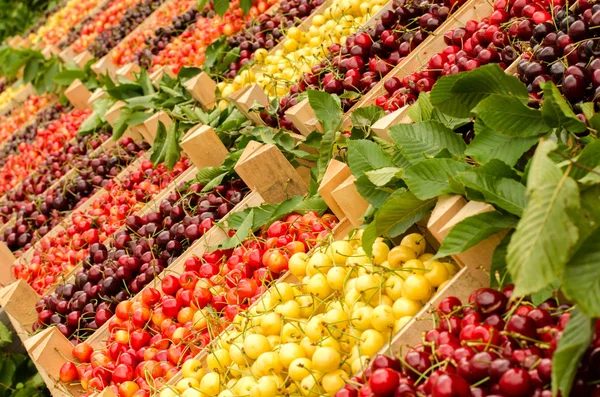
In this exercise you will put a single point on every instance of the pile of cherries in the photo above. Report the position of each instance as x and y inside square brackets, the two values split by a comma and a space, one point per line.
[104, 20]
[106, 214]
[189, 48]
[491, 40]
[23, 114]
[367, 57]
[154, 335]
[489, 347]
[111, 37]
[54, 167]
[35, 220]
[137, 254]
[48, 140]
[28, 134]
[565, 51]
[75, 31]
[134, 44]
[267, 31]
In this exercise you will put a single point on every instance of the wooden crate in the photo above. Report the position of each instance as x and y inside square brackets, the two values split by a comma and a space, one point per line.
[78, 95]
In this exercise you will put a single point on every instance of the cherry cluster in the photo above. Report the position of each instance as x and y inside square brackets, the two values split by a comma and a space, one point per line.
[104, 216]
[47, 140]
[143, 250]
[491, 40]
[189, 48]
[134, 44]
[154, 335]
[28, 133]
[23, 114]
[565, 50]
[54, 167]
[111, 37]
[92, 174]
[490, 347]
[106, 19]
[367, 57]
[75, 32]
[267, 30]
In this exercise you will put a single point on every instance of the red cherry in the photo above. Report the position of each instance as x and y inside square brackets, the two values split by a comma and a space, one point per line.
[384, 381]
[515, 382]
[451, 385]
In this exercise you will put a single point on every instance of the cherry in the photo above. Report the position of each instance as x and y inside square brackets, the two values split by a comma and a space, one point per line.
[489, 301]
[451, 385]
[522, 325]
[384, 381]
[515, 382]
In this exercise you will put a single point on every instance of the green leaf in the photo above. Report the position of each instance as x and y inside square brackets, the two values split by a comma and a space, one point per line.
[307, 204]
[91, 124]
[509, 116]
[137, 118]
[589, 216]
[214, 52]
[581, 280]
[422, 109]
[383, 176]
[173, 150]
[364, 155]
[6, 374]
[589, 158]
[499, 275]
[158, 146]
[125, 91]
[499, 169]
[241, 234]
[121, 123]
[473, 230]
[245, 5]
[398, 213]
[546, 234]
[221, 6]
[325, 152]
[457, 94]
[431, 177]
[426, 139]
[144, 102]
[506, 193]
[537, 298]
[215, 182]
[67, 77]
[489, 145]
[557, 112]
[145, 82]
[207, 174]
[31, 70]
[201, 4]
[327, 108]
[594, 122]
[449, 121]
[367, 116]
[374, 195]
[5, 335]
[574, 342]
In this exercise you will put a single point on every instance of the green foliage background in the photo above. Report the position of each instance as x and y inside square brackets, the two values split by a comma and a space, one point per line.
[17, 16]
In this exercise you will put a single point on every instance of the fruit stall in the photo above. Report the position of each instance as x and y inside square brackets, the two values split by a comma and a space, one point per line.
[264, 198]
